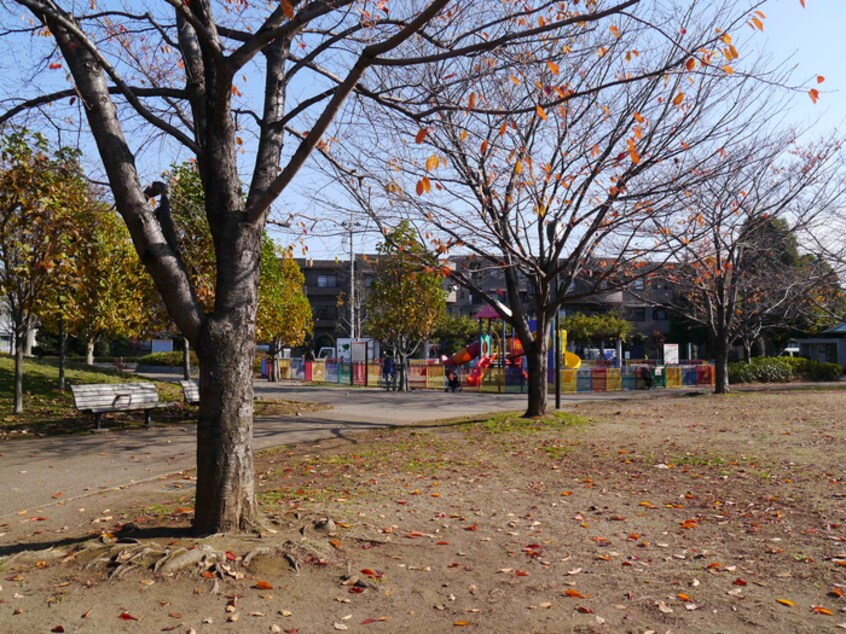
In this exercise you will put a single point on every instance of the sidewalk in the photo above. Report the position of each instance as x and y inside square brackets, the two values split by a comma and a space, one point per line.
[48, 480]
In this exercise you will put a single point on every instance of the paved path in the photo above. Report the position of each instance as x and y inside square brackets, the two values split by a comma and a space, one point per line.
[59, 472]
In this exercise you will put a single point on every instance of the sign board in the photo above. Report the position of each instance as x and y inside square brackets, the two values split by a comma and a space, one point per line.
[671, 354]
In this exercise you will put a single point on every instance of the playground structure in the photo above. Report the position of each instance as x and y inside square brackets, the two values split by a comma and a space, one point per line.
[499, 350]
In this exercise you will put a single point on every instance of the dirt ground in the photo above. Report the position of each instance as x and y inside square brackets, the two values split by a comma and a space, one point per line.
[679, 514]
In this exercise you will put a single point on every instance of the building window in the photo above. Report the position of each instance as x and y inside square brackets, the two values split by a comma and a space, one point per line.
[638, 284]
[659, 314]
[637, 314]
[327, 281]
[325, 312]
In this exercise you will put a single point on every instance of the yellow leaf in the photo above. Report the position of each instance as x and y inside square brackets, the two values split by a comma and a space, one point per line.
[463, 135]
[786, 602]
[728, 69]
[514, 80]
[726, 38]
[518, 167]
[540, 112]
[433, 162]
[421, 134]
[633, 155]
[678, 99]
[553, 67]
[287, 9]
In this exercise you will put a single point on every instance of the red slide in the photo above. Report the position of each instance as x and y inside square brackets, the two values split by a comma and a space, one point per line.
[478, 372]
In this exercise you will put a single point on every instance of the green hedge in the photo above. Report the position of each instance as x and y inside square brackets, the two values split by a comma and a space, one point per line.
[761, 370]
[816, 371]
[782, 370]
[167, 358]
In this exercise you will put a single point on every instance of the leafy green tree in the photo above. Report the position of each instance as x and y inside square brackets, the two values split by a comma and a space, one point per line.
[407, 297]
[109, 294]
[284, 313]
[454, 332]
[40, 195]
[597, 328]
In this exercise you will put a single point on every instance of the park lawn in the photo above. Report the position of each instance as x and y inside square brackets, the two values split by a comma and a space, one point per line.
[679, 514]
[48, 410]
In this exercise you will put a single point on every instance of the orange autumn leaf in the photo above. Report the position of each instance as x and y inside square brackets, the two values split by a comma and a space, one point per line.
[683, 597]
[514, 80]
[461, 623]
[574, 594]
[471, 101]
[820, 79]
[483, 149]
[287, 9]
[728, 70]
[818, 609]
[336, 543]
[678, 99]
[540, 112]
[814, 94]
[421, 134]
[553, 67]
[639, 117]
[263, 585]
[690, 64]
[433, 162]
[786, 602]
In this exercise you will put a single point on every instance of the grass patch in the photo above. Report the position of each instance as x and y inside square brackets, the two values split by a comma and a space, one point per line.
[44, 405]
[514, 424]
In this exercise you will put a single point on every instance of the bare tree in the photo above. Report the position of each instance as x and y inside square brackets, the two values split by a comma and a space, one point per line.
[545, 161]
[731, 277]
[179, 73]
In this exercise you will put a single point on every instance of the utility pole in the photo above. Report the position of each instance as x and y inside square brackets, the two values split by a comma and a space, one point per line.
[350, 226]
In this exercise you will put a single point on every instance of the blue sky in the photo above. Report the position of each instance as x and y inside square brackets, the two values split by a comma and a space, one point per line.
[812, 38]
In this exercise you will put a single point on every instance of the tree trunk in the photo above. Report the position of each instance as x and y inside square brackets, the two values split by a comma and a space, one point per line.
[89, 350]
[747, 351]
[186, 359]
[721, 382]
[225, 498]
[19, 360]
[537, 380]
[63, 351]
[402, 372]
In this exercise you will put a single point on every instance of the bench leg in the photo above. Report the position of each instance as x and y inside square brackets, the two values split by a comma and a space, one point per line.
[147, 419]
[97, 420]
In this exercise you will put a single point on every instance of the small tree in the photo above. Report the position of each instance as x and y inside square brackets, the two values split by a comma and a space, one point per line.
[735, 274]
[108, 294]
[40, 198]
[598, 328]
[407, 297]
[452, 333]
[284, 313]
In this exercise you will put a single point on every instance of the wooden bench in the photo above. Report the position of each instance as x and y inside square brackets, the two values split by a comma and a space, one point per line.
[101, 398]
[191, 391]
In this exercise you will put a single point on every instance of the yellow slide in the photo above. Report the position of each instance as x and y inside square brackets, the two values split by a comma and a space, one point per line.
[572, 361]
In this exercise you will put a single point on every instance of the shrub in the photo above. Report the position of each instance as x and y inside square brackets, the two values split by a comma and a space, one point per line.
[761, 370]
[797, 364]
[166, 358]
[816, 371]
[740, 372]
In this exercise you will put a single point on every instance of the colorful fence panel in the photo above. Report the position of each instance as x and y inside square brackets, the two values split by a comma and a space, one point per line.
[510, 379]
[673, 377]
[614, 379]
